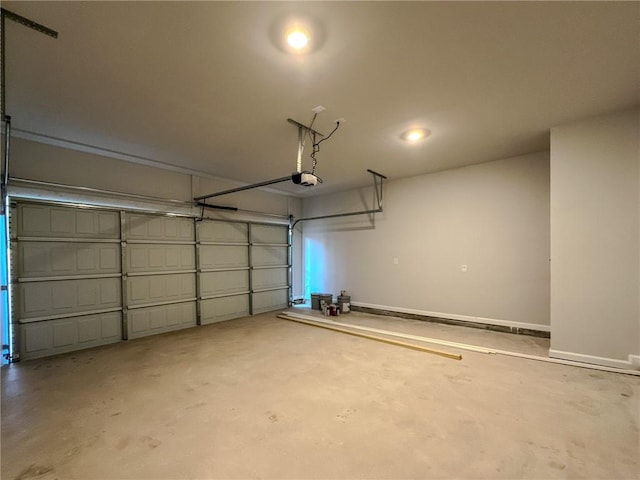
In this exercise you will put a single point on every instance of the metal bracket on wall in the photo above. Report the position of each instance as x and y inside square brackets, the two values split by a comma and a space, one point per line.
[6, 119]
[7, 14]
[378, 179]
[28, 23]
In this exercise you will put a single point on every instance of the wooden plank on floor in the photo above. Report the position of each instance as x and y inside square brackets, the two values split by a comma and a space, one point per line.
[453, 356]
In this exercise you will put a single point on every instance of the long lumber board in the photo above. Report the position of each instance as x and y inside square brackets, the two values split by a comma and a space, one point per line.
[453, 356]
[474, 348]
[389, 333]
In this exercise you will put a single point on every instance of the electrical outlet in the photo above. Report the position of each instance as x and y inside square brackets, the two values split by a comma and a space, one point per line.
[463, 268]
[395, 260]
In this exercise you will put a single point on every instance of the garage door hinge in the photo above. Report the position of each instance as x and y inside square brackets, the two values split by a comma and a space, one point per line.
[4, 288]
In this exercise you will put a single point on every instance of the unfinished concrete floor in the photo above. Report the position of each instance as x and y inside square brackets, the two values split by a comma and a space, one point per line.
[262, 397]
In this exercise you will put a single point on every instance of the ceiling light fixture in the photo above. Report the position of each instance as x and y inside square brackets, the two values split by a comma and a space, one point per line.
[415, 134]
[297, 39]
[299, 34]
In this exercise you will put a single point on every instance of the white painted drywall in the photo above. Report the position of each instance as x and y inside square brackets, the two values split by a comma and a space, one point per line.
[595, 238]
[492, 217]
[37, 161]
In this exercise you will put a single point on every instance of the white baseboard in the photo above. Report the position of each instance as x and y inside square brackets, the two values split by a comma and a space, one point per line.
[632, 364]
[454, 316]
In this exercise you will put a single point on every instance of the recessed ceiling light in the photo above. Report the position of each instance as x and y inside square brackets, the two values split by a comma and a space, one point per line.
[415, 134]
[298, 34]
[297, 39]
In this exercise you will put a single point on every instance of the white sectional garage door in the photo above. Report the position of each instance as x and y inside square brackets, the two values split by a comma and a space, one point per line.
[84, 277]
[223, 264]
[160, 274]
[244, 269]
[269, 267]
[68, 289]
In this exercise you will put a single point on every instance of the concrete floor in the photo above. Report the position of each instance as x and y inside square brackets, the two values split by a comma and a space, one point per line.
[262, 397]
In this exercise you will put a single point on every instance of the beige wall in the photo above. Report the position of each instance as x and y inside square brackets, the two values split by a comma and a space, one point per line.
[492, 217]
[47, 163]
[38, 161]
[595, 239]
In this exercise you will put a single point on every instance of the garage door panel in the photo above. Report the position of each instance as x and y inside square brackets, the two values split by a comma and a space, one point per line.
[41, 339]
[143, 258]
[109, 259]
[109, 224]
[68, 265]
[89, 328]
[159, 228]
[36, 299]
[88, 294]
[33, 260]
[158, 247]
[86, 222]
[64, 259]
[67, 222]
[110, 327]
[156, 257]
[223, 256]
[267, 255]
[220, 250]
[103, 327]
[67, 296]
[62, 221]
[181, 315]
[157, 288]
[223, 232]
[64, 285]
[110, 292]
[224, 308]
[154, 320]
[269, 234]
[35, 220]
[221, 283]
[37, 259]
[65, 333]
[270, 278]
[37, 338]
[269, 301]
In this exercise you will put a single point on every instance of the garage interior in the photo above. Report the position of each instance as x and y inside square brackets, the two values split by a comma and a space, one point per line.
[181, 179]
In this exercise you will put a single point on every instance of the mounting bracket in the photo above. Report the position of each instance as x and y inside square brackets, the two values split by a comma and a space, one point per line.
[378, 178]
[4, 14]
[6, 119]
[302, 131]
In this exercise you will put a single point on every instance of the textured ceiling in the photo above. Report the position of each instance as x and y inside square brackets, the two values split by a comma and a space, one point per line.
[205, 86]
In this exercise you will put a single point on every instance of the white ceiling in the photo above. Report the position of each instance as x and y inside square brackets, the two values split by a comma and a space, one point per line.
[204, 85]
